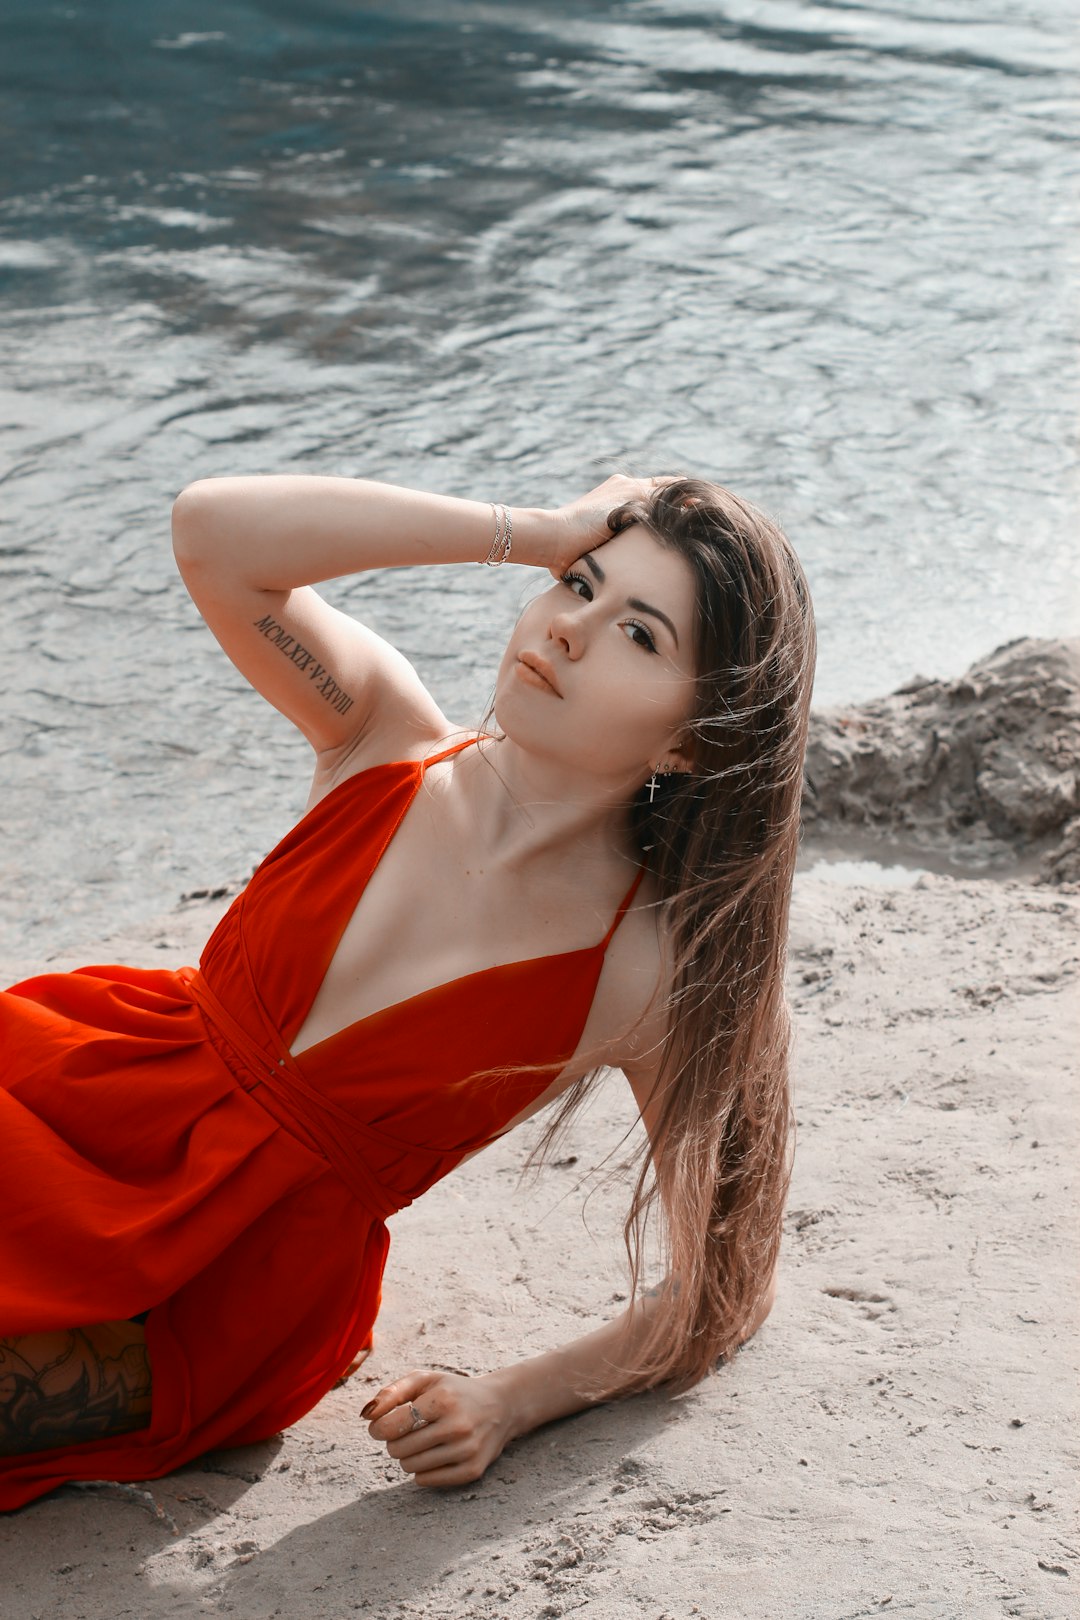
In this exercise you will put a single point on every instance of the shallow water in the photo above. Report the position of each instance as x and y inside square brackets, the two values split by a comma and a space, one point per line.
[819, 251]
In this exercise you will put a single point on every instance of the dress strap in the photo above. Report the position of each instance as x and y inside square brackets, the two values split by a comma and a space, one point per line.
[455, 748]
[624, 908]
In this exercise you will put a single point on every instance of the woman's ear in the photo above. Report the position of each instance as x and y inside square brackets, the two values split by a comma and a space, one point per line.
[678, 758]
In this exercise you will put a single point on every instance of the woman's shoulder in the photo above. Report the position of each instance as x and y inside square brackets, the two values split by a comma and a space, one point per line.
[629, 1009]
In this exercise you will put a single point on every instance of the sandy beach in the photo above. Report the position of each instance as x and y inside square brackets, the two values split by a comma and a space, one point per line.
[826, 254]
[898, 1439]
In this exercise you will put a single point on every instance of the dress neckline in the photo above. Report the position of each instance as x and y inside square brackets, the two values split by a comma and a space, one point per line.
[419, 767]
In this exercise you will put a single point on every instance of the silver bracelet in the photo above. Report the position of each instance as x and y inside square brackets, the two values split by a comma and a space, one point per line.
[504, 535]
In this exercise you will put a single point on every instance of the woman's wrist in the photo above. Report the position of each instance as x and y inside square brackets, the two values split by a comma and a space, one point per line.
[533, 529]
[520, 1389]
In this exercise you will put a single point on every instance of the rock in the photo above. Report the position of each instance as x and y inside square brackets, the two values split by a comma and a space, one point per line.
[980, 768]
[1062, 864]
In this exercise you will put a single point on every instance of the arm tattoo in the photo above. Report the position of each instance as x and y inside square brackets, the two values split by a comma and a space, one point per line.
[325, 684]
[58, 1388]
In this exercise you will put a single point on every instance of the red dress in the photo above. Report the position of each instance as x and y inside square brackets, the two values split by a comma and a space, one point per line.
[163, 1152]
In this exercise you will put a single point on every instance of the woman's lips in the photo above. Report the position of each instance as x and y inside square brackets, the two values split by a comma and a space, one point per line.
[538, 672]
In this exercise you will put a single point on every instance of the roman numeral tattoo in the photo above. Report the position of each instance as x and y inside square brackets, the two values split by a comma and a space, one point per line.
[325, 684]
[60, 1388]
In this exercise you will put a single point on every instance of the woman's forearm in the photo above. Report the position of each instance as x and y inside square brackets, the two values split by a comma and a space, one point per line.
[594, 1368]
[278, 532]
[577, 1374]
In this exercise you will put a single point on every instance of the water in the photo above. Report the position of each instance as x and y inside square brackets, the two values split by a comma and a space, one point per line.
[866, 874]
[821, 252]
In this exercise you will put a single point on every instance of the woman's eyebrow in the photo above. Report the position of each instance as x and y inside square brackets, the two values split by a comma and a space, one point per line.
[631, 601]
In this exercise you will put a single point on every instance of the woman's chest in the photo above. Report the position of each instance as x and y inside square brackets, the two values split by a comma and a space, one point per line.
[436, 912]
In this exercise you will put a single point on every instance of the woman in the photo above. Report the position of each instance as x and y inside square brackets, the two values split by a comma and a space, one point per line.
[460, 930]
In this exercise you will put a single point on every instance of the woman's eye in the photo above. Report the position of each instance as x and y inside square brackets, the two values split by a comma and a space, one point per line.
[639, 635]
[637, 632]
[573, 580]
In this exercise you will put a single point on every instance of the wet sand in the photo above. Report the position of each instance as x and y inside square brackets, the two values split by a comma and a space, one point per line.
[897, 1439]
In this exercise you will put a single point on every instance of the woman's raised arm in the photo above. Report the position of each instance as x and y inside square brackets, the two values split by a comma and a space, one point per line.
[249, 549]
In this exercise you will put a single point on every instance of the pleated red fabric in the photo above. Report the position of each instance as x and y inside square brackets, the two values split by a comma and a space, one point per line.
[162, 1151]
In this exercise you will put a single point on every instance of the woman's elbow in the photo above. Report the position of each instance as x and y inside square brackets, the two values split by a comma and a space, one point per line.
[761, 1310]
[189, 524]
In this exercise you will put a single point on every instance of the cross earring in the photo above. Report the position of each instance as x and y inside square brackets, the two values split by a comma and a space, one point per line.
[653, 782]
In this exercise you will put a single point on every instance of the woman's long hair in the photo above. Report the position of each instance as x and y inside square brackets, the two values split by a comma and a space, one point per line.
[721, 842]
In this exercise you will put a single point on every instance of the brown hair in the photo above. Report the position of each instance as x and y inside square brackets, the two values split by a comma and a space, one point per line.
[721, 842]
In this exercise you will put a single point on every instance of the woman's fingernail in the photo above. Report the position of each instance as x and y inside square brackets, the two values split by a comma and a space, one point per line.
[366, 1411]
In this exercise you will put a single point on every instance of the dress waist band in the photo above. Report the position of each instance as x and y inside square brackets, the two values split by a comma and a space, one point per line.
[278, 1086]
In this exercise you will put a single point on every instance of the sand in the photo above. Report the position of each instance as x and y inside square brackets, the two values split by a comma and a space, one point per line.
[897, 1440]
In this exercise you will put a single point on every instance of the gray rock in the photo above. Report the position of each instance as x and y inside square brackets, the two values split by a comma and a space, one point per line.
[981, 768]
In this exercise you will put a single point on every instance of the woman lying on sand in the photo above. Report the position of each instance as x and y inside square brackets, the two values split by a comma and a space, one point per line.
[461, 929]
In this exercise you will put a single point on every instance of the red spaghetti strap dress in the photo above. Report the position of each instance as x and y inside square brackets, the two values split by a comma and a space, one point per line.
[163, 1152]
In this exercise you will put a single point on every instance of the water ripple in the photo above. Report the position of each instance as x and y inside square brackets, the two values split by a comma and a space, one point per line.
[823, 251]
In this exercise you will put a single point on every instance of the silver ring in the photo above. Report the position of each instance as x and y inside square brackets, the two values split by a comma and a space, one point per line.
[418, 1422]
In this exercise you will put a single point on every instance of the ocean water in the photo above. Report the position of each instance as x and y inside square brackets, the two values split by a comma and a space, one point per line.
[823, 252]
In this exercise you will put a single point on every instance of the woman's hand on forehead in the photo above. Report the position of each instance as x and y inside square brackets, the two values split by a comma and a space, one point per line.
[582, 525]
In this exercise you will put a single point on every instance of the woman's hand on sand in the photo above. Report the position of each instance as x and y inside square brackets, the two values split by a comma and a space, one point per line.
[582, 525]
[467, 1424]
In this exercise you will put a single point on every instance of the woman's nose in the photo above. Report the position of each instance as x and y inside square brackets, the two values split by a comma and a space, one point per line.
[566, 627]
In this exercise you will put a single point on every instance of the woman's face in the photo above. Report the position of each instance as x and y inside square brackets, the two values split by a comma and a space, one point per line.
[598, 675]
